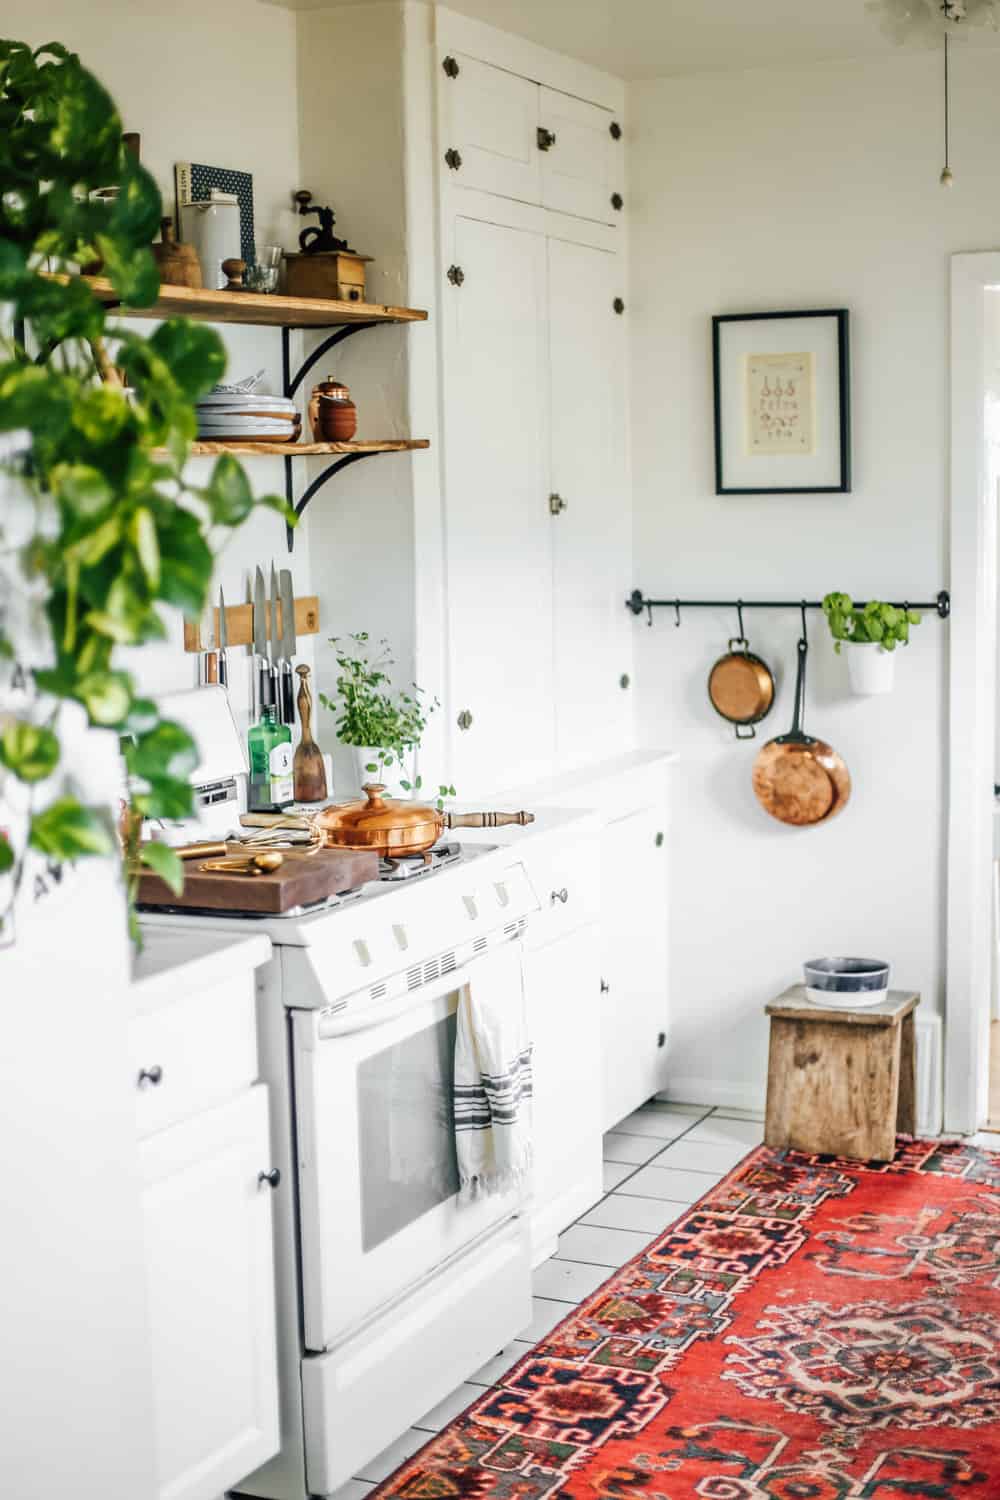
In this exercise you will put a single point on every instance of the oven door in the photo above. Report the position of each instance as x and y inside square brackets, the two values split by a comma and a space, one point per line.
[378, 1173]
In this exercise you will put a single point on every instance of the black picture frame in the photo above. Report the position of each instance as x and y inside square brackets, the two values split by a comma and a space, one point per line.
[841, 317]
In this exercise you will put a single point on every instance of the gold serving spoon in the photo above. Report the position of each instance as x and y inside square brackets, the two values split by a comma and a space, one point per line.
[257, 864]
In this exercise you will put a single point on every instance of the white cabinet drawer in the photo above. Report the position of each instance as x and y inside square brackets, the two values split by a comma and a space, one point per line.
[565, 874]
[191, 1055]
[489, 125]
[583, 170]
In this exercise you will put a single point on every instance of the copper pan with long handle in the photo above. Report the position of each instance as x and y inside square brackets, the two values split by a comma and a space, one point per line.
[796, 778]
[395, 828]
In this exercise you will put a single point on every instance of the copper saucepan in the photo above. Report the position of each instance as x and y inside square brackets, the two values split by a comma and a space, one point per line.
[798, 779]
[394, 828]
[741, 687]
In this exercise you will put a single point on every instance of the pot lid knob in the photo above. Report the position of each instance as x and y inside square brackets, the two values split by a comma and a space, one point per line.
[373, 791]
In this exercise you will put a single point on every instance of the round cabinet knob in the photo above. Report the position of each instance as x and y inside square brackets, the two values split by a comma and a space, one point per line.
[605, 987]
[615, 130]
[464, 720]
[619, 305]
[562, 896]
[150, 1077]
[272, 1178]
[557, 505]
[617, 202]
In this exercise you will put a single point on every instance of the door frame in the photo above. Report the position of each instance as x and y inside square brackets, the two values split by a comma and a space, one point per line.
[972, 702]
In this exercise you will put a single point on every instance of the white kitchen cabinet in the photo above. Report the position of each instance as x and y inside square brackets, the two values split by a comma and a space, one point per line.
[210, 1287]
[592, 536]
[634, 1010]
[583, 170]
[489, 117]
[562, 989]
[498, 558]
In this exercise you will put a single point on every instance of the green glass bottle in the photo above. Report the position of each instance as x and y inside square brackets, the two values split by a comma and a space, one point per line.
[270, 746]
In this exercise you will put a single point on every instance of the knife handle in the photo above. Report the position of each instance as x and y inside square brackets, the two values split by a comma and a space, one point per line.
[287, 694]
[223, 668]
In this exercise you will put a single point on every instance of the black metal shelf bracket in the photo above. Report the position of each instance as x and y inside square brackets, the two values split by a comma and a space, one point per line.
[638, 603]
[290, 382]
[299, 506]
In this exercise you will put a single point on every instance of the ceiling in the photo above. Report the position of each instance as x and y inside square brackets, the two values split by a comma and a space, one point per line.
[655, 38]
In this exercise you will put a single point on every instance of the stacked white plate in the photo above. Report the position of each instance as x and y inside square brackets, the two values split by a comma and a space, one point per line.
[225, 416]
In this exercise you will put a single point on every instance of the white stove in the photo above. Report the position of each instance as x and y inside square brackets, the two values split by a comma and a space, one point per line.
[378, 1259]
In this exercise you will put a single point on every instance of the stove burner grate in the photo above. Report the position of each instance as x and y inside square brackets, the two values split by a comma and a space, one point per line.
[411, 866]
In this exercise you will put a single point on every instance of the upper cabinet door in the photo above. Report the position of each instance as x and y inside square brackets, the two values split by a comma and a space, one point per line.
[490, 119]
[592, 533]
[497, 522]
[583, 164]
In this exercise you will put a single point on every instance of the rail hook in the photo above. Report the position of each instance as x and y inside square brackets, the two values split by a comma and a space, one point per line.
[677, 613]
[805, 632]
[739, 616]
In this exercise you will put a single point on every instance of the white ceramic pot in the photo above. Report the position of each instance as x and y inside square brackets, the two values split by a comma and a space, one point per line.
[870, 669]
[391, 776]
[213, 228]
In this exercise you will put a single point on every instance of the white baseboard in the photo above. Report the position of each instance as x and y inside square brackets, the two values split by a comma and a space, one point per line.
[723, 1094]
[716, 1091]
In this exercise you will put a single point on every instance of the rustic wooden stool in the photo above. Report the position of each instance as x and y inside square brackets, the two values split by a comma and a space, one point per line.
[841, 1082]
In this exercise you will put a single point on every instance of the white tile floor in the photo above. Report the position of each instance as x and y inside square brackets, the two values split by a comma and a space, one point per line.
[656, 1162]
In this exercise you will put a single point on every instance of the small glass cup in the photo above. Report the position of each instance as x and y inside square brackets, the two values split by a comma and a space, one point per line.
[263, 275]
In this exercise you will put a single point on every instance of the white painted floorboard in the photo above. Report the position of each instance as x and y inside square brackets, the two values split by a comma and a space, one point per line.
[657, 1162]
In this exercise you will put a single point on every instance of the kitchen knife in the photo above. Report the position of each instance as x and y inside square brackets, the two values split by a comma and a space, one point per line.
[260, 638]
[206, 631]
[223, 643]
[276, 650]
[287, 644]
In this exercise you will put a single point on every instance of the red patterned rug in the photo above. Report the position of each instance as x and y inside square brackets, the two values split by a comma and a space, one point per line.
[812, 1329]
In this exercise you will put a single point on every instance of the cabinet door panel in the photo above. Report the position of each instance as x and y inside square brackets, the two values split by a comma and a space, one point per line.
[562, 986]
[634, 1016]
[210, 1287]
[592, 537]
[491, 118]
[499, 568]
[584, 166]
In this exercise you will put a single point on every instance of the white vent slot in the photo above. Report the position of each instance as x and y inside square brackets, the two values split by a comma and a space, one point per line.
[448, 962]
[413, 979]
[431, 970]
[510, 930]
[377, 992]
[480, 945]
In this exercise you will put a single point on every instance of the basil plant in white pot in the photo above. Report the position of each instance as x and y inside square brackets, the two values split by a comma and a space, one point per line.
[871, 633]
[381, 723]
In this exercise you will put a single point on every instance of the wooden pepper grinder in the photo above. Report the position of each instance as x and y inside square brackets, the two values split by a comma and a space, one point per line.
[308, 770]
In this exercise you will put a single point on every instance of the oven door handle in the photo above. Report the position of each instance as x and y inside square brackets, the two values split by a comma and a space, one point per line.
[351, 1020]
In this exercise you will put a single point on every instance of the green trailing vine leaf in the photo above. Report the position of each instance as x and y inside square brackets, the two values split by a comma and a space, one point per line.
[118, 533]
[163, 861]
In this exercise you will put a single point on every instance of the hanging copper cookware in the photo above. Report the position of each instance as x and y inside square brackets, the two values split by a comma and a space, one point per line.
[798, 779]
[396, 828]
[741, 687]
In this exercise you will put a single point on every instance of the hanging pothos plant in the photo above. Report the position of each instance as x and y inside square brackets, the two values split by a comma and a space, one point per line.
[113, 531]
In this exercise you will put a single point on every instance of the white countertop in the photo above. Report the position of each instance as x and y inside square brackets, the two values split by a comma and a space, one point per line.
[176, 960]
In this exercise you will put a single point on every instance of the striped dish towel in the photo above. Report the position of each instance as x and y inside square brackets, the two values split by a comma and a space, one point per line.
[493, 1079]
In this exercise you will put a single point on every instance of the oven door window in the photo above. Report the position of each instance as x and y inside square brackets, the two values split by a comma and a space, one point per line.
[406, 1131]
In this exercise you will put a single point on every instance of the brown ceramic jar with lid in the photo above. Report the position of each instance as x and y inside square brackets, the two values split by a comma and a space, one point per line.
[333, 416]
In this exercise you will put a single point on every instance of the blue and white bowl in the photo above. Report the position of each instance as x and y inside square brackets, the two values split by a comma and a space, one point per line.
[846, 983]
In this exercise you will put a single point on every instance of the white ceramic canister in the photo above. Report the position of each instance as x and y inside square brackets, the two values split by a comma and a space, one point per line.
[213, 228]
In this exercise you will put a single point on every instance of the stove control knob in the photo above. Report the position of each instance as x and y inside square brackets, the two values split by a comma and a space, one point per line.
[399, 933]
[471, 907]
[363, 952]
[562, 896]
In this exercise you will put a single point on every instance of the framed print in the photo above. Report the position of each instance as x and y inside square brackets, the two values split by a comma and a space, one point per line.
[782, 403]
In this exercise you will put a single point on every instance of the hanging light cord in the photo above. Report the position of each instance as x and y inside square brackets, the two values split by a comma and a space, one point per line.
[946, 178]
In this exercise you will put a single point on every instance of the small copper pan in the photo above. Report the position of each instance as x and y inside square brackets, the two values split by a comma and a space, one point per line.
[741, 688]
[798, 779]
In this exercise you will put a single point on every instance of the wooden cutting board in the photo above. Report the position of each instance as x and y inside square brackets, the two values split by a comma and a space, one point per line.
[302, 880]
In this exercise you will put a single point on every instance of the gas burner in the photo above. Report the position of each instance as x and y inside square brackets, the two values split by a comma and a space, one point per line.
[409, 866]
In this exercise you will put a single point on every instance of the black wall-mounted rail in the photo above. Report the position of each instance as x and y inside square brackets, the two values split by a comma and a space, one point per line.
[638, 603]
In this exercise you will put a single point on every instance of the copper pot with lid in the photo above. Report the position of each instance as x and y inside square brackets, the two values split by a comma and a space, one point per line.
[393, 828]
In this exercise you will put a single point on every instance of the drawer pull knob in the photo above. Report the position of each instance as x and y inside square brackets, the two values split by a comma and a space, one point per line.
[272, 1178]
[151, 1076]
[605, 987]
[562, 896]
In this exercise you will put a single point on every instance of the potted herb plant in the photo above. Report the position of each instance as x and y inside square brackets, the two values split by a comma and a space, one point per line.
[381, 723]
[99, 528]
[871, 633]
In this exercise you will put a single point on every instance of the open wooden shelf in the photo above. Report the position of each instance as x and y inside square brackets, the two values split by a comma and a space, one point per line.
[269, 308]
[306, 450]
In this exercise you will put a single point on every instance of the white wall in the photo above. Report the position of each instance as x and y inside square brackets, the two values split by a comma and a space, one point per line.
[805, 188]
[214, 83]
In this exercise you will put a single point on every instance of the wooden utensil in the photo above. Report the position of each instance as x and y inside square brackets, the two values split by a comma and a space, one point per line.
[798, 779]
[303, 879]
[308, 770]
[394, 828]
[741, 688]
